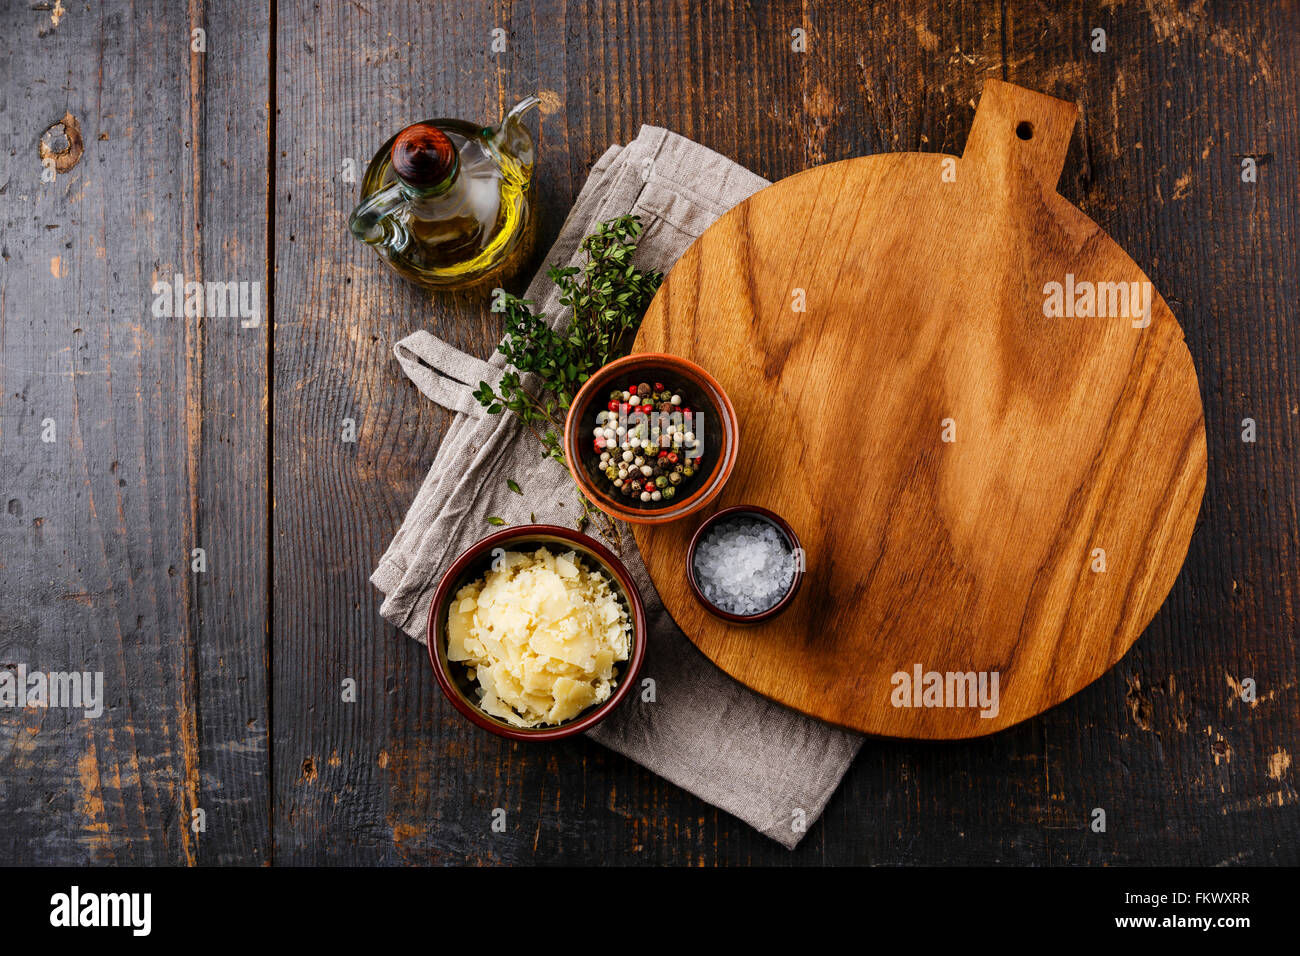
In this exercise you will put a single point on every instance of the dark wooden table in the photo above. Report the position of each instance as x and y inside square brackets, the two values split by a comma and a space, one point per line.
[224, 686]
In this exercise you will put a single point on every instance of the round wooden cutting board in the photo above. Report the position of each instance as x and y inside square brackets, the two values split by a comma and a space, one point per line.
[995, 480]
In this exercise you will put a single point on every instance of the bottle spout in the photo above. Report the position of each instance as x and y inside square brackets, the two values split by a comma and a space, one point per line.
[523, 106]
[511, 138]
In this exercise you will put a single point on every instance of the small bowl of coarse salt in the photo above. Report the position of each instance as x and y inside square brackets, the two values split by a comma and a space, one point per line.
[744, 564]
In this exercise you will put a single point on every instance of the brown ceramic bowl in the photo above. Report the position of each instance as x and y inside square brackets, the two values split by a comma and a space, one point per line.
[746, 511]
[714, 421]
[474, 563]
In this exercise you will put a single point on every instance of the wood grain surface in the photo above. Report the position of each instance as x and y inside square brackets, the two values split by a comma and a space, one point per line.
[159, 437]
[980, 490]
[222, 689]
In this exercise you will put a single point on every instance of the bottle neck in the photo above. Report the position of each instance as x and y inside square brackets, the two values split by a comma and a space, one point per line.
[445, 185]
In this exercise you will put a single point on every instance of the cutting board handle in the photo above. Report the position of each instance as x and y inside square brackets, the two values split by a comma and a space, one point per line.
[1018, 132]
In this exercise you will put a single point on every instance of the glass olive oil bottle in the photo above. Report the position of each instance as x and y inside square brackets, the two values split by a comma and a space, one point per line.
[450, 205]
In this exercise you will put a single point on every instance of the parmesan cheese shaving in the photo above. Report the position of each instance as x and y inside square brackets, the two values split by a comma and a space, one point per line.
[541, 633]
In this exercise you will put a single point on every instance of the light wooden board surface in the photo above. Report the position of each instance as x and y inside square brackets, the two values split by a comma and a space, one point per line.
[979, 487]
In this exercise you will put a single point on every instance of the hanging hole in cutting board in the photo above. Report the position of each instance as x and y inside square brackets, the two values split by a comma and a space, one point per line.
[1025, 129]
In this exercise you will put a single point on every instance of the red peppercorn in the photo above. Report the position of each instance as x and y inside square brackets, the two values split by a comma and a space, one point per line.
[599, 444]
[612, 406]
[664, 454]
[659, 386]
[647, 409]
[686, 412]
[672, 457]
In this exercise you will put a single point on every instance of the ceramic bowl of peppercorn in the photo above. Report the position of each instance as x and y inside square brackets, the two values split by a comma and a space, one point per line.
[651, 438]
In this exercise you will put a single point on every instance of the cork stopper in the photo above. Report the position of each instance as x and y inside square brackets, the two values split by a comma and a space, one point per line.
[423, 156]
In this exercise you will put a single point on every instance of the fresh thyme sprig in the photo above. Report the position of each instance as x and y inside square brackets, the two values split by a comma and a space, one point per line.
[607, 296]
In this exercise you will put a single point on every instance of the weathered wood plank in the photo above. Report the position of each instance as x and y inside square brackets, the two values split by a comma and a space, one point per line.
[159, 436]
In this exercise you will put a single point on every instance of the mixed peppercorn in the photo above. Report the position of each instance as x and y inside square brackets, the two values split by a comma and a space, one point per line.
[646, 441]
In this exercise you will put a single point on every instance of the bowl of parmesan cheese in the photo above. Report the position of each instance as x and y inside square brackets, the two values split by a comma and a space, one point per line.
[536, 632]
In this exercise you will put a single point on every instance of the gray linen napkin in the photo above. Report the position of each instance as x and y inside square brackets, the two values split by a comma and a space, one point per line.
[768, 765]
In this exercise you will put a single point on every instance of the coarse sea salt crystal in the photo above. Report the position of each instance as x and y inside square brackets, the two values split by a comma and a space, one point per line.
[744, 566]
